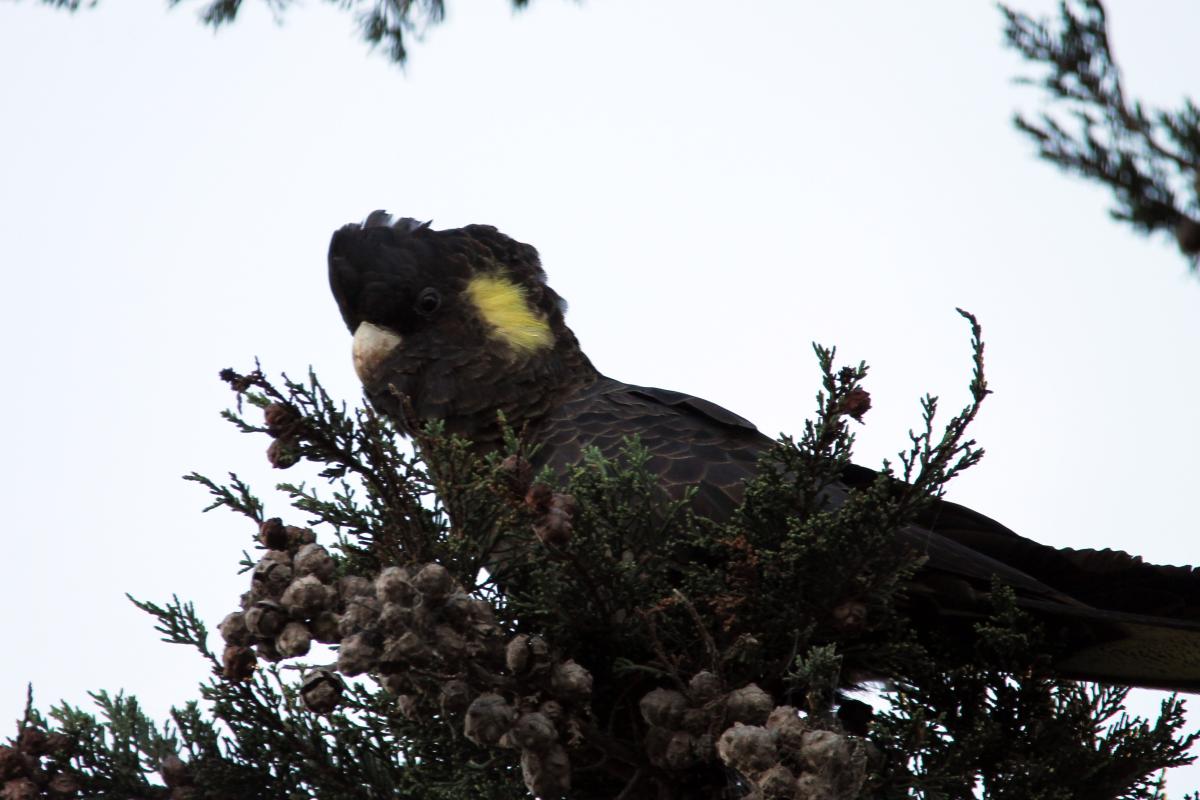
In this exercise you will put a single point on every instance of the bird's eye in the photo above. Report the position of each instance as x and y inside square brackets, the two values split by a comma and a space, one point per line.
[429, 300]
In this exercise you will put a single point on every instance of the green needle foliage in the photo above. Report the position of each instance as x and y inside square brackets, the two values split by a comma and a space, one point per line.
[1148, 157]
[496, 632]
[1000, 726]
[386, 24]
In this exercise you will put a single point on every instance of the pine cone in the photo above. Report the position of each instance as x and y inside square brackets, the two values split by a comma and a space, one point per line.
[294, 640]
[570, 681]
[265, 619]
[281, 419]
[482, 612]
[273, 535]
[488, 718]
[778, 783]
[313, 559]
[20, 789]
[698, 721]
[663, 707]
[395, 619]
[458, 609]
[787, 724]
[553, 711]
[834, 756]
[555, 528]
[321, 690]
[10, 763]
[456, 696]
[306, 597]
[532, 731]
[32, 742]
[748, 748]
[404, 650]
[681, 751]
[856, 403]
[233, 629]
[283, 454]
[394, 585]
[325, 628]
[704, 687]
[271, 575]
[360, 615]
[546, 774]
[354, 586]
[298, 537]
[357, 654]
[238, 663]
[434, 582]
[527, 655]
[749, 705]
[449, 644]
[63, 784]
[266, 650]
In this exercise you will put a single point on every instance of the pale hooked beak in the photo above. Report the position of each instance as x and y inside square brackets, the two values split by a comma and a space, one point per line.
[372, 346]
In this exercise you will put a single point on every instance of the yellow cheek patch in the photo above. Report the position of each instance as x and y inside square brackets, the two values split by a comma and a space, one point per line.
[502, 305]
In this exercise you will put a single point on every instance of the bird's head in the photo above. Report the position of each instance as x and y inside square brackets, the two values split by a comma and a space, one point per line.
[456, 324]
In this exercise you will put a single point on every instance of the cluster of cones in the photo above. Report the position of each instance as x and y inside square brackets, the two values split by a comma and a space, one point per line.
[423, 637]
[292, 601]
[35, 766]
[778, 754]
[32, 766]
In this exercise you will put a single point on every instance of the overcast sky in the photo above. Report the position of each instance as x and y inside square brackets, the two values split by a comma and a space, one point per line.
[710, 191]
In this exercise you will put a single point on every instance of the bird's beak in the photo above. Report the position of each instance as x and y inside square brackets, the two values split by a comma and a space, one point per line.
[372, 346]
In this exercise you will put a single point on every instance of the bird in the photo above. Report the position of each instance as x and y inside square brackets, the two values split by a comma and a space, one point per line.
[460, 326]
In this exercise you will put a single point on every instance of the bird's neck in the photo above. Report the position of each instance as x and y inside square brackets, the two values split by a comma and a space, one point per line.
[515, 396]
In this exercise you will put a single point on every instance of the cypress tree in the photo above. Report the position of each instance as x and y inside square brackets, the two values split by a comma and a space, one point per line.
[448, 626]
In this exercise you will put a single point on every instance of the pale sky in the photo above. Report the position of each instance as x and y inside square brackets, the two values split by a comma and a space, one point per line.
[711, 192]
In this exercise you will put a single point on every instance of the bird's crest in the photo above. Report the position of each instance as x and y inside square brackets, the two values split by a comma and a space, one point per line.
[382, 219]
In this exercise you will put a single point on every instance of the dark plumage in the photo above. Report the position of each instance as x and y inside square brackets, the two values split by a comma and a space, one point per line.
[461, 324]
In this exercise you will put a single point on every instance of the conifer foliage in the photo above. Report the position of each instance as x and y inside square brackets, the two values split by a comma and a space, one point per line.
[430, 623]
[386, 24]
[1148, 157]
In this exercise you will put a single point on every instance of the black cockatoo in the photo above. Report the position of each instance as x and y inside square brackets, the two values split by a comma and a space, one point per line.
[462, 324]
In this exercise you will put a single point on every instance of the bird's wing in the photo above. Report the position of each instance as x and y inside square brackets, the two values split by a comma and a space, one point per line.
[696, 444]
[1106, 578]
[692, 443]
[1126, 621]
[695, 405]
[1121, 619]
